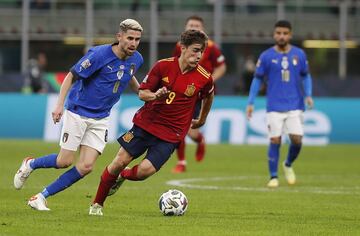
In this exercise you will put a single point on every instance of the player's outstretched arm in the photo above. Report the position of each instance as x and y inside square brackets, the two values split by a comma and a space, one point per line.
[59, 108]
[205, 109]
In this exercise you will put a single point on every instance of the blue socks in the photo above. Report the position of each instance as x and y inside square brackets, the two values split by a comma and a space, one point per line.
[293, 153]
[64, 181]
[273, 159]
[48, 161]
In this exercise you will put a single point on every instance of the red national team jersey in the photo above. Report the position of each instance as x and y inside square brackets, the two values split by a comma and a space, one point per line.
[169, 119]
[212, 56]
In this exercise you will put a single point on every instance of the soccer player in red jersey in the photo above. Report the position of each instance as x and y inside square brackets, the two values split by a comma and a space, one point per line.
[214, 62]
[170, 91]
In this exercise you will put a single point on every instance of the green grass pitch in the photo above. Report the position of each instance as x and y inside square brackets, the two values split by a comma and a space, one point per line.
[226, 192]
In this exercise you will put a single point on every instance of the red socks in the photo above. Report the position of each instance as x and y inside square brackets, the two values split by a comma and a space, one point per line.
[130, 174]
[181, 150]
[106, 182]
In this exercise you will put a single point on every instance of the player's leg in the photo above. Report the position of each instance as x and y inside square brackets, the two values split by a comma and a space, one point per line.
[275, 125]
[198, 138]
[71, 134]
[294, 125]
[64, 159]
[181, 164]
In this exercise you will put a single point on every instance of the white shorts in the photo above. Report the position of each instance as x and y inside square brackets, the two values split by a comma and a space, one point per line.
[290, 122]
[79, 130]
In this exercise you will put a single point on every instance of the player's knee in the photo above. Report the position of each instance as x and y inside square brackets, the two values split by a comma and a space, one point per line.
[84, 168]
[275, 140]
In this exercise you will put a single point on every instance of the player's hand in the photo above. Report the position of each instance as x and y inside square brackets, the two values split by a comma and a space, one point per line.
[309, 102]
[249, 111]
[196, 123]
[57, 114]
[161, 93]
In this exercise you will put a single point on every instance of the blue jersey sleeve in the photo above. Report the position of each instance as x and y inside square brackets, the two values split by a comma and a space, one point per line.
[261, 66]
[303, 63]
[307, 83]
[88, 64]
[254, 90]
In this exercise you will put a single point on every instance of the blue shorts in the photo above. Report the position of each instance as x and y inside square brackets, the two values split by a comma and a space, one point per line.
[137, 141]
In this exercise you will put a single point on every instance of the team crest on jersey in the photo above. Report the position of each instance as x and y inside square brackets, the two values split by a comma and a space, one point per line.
[165, 79]
[132, 69]
[86, 64]
[120, 73]
[295, 60]
[128, 137]
[190, 89]
[65, 137]
[285, 63]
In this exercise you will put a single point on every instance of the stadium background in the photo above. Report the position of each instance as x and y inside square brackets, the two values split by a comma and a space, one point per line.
[329, 32]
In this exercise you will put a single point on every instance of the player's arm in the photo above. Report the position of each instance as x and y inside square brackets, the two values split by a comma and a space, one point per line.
[205, 109]
[307, 83]
[254, 90]
[64, 89]
[219, 72]
[134, 84]
[147, 95]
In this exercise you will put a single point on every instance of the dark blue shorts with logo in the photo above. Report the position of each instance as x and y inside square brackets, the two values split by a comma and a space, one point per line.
[137, 141]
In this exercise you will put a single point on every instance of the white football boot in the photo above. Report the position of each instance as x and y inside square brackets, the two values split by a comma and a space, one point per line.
[23, 173]
[38, 202]
[96, 210]
[289, 174]
[273, 183]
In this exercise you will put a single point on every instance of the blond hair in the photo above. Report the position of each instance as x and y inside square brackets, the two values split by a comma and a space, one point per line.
[130, 24]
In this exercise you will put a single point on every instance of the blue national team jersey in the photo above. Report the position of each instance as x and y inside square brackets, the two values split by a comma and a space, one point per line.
[101, 78]
[283, 73]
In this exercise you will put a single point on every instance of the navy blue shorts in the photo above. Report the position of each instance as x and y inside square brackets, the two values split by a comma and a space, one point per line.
[137, 141]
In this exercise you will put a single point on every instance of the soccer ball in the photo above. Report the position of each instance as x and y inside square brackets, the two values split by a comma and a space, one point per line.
[173, 203]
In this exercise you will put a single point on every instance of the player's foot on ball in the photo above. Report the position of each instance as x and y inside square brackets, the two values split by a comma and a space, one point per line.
[96, 210]
[289, 174]
[179, 168]
[273, 183]
[38, 202]
[200, 150]
[119, 181]
[23, 173]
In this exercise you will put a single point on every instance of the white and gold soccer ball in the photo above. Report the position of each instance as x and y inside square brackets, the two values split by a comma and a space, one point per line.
[173, 203]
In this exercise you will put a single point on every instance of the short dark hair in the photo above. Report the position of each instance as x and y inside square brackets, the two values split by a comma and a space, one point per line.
[190, 37]
[194, 17]
[283, 24]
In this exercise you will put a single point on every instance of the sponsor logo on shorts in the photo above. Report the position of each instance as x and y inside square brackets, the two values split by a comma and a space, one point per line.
[128, 137]
[65, 137]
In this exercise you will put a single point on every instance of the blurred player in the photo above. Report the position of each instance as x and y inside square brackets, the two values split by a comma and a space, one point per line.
[170, 91]
[284, 68]
[214, 62]
[94, 84]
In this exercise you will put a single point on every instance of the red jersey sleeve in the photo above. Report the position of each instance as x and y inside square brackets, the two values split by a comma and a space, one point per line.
[217, 57]
[152, 80]
[208, 88]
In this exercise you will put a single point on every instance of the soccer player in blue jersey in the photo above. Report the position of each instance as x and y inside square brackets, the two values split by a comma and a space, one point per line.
[93, 85]
[284, 68]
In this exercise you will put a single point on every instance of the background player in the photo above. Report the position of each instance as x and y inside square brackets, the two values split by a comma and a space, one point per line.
[214, 62]
[284, 68]
[95, 84]
[170, 91]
